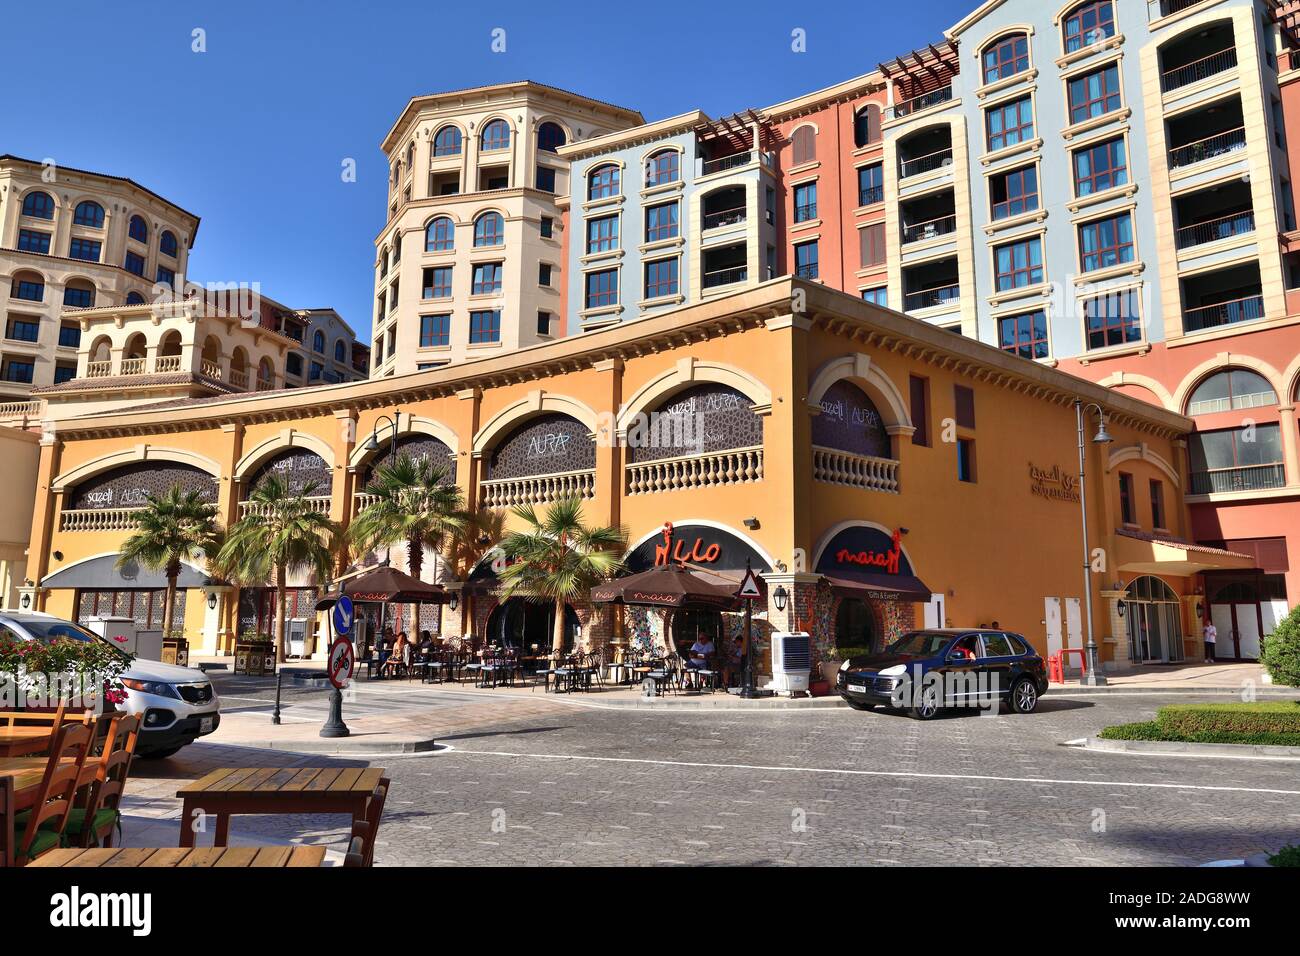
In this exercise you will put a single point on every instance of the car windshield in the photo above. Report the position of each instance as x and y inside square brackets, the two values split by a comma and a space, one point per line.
[46, 631]
[920, 644]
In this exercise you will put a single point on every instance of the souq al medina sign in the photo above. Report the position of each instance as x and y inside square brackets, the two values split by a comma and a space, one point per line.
[1053, 483]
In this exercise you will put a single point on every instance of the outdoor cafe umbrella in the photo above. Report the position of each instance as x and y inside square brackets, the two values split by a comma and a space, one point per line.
[386, 585]
[670, 586]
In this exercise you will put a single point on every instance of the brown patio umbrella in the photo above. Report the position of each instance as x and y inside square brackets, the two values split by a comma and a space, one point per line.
[671, 586]
[389, 586]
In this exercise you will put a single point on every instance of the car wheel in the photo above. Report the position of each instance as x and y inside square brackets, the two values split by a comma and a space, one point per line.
[858, 705]
[928, 705]
[1024, 696]
[157, 754]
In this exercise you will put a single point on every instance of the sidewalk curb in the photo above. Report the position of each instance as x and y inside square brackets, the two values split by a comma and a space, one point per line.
[1279, 693]
[1173, 748]
[340, 746]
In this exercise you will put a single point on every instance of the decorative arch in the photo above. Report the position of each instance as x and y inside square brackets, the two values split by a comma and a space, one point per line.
[880, 388]
[537, 403]
[52, 196]
[660, 149]
[447, 128]
[829, 535]
[411, 425]
[51, 579]
[89, 201]
[1142, 452]
[687, 372]
[803, 137]
[287, 439]
[127, 456]
[1220, 362]
[1144, 381]
[559, 124]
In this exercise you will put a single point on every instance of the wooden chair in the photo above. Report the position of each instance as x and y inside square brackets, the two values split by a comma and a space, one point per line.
[54, 800]
[98, 813]
[6, 821]
[361, 850]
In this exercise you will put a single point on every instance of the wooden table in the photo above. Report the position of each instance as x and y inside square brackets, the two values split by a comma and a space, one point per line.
[23, 740]
[27, 774]
[235, 856]
[231, 790]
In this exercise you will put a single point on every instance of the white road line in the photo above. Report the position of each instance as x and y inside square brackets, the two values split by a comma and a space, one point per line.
[883, 773]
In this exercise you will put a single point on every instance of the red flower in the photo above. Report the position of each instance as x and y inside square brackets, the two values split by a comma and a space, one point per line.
[120, 639]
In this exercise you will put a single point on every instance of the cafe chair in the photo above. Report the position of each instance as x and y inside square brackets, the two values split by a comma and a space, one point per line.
[666, 675]
[92, 822]
[6, 821]
[43, 825]
[361, 848]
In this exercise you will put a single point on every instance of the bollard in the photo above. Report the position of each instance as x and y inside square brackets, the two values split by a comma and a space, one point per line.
[275, 717]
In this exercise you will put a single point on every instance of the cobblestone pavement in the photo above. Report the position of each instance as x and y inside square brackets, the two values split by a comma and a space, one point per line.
[591, 786]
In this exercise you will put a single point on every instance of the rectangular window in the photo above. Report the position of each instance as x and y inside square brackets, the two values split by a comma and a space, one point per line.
[544, 273]
[543, 323]
[30, 240]
[1009, 124]
[602, 234]
[871, 184]
[69, 335]
[963, 402]
[805, 260]
[64, 372]
[78, 298]
[1157, 503]
[485, 326]
[1025, 335]
[871, 244]
[805, 202]
[29, 290]
[1106, 242]
[85, 249]
[23, 330]
[966, 459]
[1112, 319]
[546, 179]
[602, 288]
[919, 389]
[165, 275]
[134, 263]
[1019, 264]
[1100, 167]
[293, 362]
[437, 282]
[487, 278]
[547, 227]
[19, 370]
[316, 370]
[879, 295]
[1127, 511]
[661, 222]
[1014, 192]
[769, 205]
[1094, 94]
[660, 278]
[435, 330]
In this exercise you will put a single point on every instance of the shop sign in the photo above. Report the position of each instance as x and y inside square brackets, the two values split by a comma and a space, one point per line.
[1053, 483]
[694, 544]
[864, 553]
[696, 552]
[886, 560]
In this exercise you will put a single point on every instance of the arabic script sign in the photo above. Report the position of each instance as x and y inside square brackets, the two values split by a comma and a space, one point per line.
[1053, 483]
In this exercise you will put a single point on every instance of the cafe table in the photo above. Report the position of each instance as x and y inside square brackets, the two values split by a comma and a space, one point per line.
[21, 741]
[274, 790]
[27, 774]
[180, 857]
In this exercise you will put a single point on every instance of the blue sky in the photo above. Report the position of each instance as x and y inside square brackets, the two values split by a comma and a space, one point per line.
[251, 134]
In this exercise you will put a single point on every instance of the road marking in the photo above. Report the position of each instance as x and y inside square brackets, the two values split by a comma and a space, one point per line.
[881, 773]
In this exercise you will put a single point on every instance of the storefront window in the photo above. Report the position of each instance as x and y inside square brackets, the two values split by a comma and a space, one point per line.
[855, 627]
[688, 625]
[1155, 621]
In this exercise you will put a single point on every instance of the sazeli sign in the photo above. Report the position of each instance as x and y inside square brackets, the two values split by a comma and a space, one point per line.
[1053, 483]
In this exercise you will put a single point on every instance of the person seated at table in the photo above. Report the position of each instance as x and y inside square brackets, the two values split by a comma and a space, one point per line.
[735, 661]
[400, 654]
[383, 641]
[701, 652]
[426, 642]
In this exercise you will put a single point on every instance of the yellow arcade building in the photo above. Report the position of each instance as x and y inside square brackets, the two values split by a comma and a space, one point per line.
[876, 471]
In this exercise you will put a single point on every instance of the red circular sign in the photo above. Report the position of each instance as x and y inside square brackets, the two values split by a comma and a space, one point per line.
[341, 662]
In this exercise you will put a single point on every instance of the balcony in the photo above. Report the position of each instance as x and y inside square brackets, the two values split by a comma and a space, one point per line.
[733, 466]
[538, 489]
[1225, 227]
[99, 369]
[723, 207]
[1197, 70]
[931, 298]
[1216, 130]
[725, 265]
[720, 164]
[1222, 297]
[1220, 144]
[924, 152]
[1242, 478]
[931, 285]
[930, 229]
[855, 471]
[917, 103]
[1223, 313]
[163, 364]
[132, 366]
[318, 503]
[1167, 8]
[928, 217]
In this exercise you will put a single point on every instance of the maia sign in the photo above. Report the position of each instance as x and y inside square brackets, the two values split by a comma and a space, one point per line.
[858, 551]
[694, 544]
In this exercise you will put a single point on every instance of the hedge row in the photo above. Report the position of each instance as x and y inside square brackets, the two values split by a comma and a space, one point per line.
[1260, 717]
[1150, 730]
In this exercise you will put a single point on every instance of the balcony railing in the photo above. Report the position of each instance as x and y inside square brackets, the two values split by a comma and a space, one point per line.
[929, 298]
[1166, 8]
[1223, 313]
[856, 471]
[167, 363]
[239, 378]
[871, 195]
[726, 217]
[1199, 233]
[1201, 69]
[733, 161]
[265, 385]
[930, 229]
[319, 503]
[725, 276]
[1220, 144]
[210, 369]
[917, 103]
[362, 500]
[926, 163]
[10, 411]
[538, 489]
[98, 519]
[132, 366]
[1236, 402]
[734, 466]
[1243, 478]
[99, 369]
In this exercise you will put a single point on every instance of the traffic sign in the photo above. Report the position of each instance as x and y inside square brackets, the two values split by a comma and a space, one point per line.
[749, 586]
[341, 662]
[342, 614]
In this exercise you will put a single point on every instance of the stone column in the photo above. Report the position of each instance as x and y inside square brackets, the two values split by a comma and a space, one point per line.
[45, 512]
[1290, 444]
[1112, 626]
[609, 457]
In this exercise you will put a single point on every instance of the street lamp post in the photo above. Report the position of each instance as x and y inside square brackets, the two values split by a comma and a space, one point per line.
[372, 446]
[1092, 676]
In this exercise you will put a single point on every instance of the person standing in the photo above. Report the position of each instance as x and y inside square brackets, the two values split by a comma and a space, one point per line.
[1211, 638]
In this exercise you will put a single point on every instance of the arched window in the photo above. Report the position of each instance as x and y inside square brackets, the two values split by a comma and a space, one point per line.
[318, 342]
[137, 229]
[167, 243]
[489, 230]
[1006, 56]
[866, 126]
[1088, 23]
[496, 135]
[38, 205]
[1230, 390]
[602, 182]
[27, 285]
[446, 142]
[89, 213]
[550, 137]
[134, 298]
[664, 166]
[79, 294]
[410, 155]
[440, 235]
[803, 145]
[340, 351]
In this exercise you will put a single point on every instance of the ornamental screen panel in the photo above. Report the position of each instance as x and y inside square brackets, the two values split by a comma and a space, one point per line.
[418, 448]
[546, 445]
[702, 419]
[130, 485]
[850, 422]
[298, 469]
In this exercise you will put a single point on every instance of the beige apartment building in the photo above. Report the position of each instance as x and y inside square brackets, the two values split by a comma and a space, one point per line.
[470, 262]
[70, 238]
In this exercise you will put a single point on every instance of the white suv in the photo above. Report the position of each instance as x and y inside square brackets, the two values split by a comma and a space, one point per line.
[177, 705]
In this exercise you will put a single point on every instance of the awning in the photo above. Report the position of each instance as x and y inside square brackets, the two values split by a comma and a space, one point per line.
[102, 574]
[903, 585]
[1144, 553]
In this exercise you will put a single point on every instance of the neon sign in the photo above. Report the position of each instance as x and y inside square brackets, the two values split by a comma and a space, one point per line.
[887, 560]
[698, 553]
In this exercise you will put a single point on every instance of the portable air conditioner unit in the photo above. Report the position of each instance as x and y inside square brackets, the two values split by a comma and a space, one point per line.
[297, 637]
[791, 662]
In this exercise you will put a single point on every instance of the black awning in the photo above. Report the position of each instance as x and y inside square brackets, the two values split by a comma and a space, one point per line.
[903, 585]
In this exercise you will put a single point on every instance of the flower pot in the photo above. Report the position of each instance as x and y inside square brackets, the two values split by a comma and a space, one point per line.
[829, 670]
[819, 688]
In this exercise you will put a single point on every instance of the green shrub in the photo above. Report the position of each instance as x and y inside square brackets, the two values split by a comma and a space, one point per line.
[1145, 730]
[1259, 717]
[1287, 856]
[1281, 652]
[1157, 730]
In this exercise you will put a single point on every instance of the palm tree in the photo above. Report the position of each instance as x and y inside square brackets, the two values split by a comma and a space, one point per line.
[173, 528]
[558, 558]
[281, 534]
